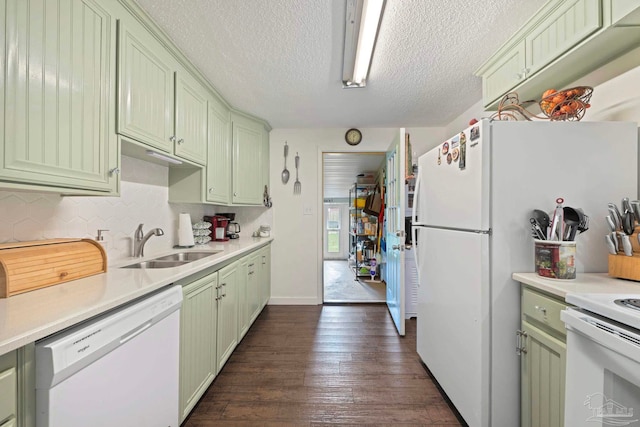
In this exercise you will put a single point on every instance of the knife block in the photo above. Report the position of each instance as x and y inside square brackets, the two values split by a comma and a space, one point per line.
[625, 267]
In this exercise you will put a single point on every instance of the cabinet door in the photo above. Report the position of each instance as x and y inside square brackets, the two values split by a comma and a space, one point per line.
[227, 338]
[247, 161]
[8, 386]
[254, 291]
[505, 74]
[265, 160]
[543, 378]
[191, 119]
[145, 92]
[243, 301]
[568, 25]
[197, 341]
[58, 115]
[265, 275]
[219, 154]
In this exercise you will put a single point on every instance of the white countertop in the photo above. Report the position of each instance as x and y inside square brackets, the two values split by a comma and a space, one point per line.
[33, 315]
[584, 283]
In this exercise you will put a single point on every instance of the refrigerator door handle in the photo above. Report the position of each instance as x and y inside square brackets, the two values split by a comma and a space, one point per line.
[414, 229]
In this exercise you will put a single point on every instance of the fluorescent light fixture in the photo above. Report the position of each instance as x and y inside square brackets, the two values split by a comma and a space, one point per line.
[361, 30]
[163, 157]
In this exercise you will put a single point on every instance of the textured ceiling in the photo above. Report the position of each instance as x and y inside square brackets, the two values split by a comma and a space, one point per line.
[281, 60]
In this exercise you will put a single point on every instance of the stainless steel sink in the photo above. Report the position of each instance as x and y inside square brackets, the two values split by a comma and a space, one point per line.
[173, 260]
[186, 256]
[156, 264]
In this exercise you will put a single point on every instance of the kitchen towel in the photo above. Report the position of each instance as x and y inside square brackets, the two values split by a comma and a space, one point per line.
[185, 231]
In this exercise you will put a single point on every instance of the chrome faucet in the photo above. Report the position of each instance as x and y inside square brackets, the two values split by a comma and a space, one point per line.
[141, 238]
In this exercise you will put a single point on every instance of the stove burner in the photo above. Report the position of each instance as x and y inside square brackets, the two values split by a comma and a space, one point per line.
[633, 303]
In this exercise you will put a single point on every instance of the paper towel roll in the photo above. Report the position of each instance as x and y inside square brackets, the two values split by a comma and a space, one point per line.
[185, 231]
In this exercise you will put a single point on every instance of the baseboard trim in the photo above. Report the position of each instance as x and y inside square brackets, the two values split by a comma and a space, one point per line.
[293, 301]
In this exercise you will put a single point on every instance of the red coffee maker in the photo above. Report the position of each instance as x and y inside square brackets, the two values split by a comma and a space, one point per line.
[219, 227]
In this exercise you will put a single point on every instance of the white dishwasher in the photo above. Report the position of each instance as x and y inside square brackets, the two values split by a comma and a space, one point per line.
[119, 369]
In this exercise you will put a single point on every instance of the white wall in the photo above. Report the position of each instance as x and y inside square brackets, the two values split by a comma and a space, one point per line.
[144, 195]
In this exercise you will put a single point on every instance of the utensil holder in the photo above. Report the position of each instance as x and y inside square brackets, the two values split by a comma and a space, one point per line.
[555, 259]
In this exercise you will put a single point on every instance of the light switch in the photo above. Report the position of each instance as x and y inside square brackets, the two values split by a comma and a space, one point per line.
[307, 210]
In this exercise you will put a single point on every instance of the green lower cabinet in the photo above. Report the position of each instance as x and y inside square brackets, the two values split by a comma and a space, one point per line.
[543, 352]
[543, 378]
[265, 276]
[197, 341]
[8, 387]
[17, 387]
[254, 293]
[227, 337]
[243, 298]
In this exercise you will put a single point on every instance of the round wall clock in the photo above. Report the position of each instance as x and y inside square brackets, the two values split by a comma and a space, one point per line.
[353, 137]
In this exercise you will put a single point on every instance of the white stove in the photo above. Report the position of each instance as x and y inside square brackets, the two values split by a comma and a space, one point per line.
[622, 308]
[603, 360]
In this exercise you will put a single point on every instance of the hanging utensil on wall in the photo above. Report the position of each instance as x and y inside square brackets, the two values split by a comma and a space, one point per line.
[285, 171]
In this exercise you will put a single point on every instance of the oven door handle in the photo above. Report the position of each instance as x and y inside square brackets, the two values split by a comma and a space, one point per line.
[621, 340]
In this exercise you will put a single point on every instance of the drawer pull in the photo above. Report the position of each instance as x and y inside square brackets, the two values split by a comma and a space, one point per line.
[63, 274]
[541, 310]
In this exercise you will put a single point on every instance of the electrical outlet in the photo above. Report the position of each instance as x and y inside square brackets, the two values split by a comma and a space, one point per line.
[307, 210]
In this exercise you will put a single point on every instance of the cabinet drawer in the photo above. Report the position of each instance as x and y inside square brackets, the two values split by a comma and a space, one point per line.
[543, 309]
[8, 390]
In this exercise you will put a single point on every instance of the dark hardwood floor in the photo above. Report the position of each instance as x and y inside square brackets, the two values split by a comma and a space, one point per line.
[324, 365]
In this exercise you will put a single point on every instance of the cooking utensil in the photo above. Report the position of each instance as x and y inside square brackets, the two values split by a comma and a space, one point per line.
[626, 245]
[536, 230]
[285, 171]
[297, 187]
[571, 221]
[543, 221]
[610, 244]
[557, 223]
[610, 223]
[584, 221]
[618, 215]
[628, 223]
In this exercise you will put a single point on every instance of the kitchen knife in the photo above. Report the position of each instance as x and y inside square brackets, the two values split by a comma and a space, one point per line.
[626, 206]
[610, 245]
[614, 239]
[635, 207]
[629, 224]
[618, 215]
[614, 217]
[626, 245]
[610, 223]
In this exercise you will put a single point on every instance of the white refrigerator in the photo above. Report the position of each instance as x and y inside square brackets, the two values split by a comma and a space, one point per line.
[474, 197]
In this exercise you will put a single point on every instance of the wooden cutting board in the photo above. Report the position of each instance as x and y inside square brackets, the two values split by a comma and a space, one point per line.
[27, 266]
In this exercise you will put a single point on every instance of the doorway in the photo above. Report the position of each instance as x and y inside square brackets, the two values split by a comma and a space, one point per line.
[340, 243]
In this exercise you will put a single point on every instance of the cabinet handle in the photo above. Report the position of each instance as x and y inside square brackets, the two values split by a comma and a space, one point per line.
[114, 171]
[210, 190]
[523, 347]
[172, 138]
[180, 141]
[519, 342]
[541, 310]
[251, 272]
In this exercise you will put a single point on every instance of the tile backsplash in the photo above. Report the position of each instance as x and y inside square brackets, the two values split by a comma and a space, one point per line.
[143, 199]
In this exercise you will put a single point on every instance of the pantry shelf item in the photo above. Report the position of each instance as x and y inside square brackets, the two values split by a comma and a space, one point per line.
[363, 230]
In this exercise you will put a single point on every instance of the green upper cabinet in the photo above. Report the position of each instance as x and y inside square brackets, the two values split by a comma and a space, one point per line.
[218, 188]
[562, 42]
[58, 114]
[145, 92]
[191, 119]
[159, 103]
[247, 164]
[568, 25]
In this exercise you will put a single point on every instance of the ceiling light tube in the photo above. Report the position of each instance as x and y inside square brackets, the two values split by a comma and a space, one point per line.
[361, 31]
[163, 157]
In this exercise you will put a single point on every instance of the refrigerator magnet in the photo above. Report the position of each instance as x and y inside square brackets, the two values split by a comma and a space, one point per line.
[455, 153]
[445, 148]
[474, 133]
[449, 158]
[439, 159]
[463, 138]
[455, 141]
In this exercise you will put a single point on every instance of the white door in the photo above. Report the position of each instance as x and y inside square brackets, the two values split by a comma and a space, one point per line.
[394, 235]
